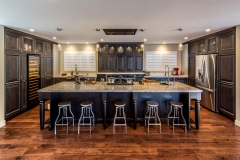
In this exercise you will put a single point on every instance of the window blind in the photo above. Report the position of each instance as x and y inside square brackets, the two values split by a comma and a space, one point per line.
[85, 60]
[157, 60]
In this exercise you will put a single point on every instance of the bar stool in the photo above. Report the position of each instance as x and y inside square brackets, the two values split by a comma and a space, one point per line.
[86, 113]
[176, 106]
[120, 114]
[64, 105]
[152, 113]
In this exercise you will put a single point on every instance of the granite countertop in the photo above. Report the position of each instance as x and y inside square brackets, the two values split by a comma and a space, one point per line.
[180, 76]
[69, 76]
[150, 87]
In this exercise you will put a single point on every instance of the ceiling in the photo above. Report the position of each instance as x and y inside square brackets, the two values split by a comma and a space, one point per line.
[80, 18]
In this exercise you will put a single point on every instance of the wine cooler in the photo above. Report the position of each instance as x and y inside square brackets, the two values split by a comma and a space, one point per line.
[33, 79]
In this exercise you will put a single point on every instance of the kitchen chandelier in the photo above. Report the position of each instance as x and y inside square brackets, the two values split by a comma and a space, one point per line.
[97, 46]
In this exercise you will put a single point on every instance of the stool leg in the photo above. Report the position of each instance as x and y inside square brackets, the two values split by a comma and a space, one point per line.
[79, 121]
[174, 112]
[67, 118]
[150, 112]
[114, 121]
[125, 120]
[146, 114]
[71, 113]
[169, 114]
[55, 129]
[159, 122]
[93, 116]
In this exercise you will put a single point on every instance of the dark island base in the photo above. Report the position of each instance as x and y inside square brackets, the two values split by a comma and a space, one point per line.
[104, 109]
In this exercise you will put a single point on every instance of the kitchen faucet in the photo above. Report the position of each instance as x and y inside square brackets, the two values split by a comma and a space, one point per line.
[167, 73]
[76, 69]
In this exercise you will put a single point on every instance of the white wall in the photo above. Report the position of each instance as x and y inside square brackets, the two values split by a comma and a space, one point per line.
[56, 61]
[237, 121]
[185, 59]
[2, 76]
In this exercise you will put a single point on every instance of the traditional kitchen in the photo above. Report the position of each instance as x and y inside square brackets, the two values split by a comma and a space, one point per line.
[97, 90]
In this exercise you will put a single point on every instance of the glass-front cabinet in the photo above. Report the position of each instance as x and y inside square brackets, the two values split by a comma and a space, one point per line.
[27, 44]
[39, 47]
[201, 47]
[212, 44]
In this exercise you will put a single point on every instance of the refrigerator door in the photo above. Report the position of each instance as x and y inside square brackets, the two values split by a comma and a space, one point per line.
[205, 79]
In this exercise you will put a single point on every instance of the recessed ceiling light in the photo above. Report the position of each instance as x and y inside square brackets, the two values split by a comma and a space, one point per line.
[207, 30]
[101, 39]
[164, 42]
[67, 42]
[86, 42]
[145, 40]
[185, 37]
[32, 30]
[54, 37]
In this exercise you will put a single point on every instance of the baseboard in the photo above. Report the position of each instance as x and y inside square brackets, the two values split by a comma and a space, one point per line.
[237, 123]
[2, 123]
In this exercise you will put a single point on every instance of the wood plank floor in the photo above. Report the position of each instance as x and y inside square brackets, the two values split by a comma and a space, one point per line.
[218, 138]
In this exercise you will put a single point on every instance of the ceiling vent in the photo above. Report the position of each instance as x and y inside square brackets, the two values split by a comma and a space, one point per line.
[120, 31]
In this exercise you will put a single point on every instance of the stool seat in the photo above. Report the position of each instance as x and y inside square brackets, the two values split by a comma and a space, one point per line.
[152, 103]
[64, 103]
[177, 104]
[119, 104]
[86, 103]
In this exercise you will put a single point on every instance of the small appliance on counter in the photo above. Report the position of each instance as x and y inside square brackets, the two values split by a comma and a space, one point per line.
[175, 71]
[147, 73]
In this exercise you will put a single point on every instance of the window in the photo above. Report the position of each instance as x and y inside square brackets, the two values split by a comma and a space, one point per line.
[85, 60]
[157, 60]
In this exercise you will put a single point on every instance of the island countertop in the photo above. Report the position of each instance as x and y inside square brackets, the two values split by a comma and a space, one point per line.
[150, 87]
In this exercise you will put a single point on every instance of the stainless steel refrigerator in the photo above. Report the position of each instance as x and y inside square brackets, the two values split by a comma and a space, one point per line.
[205, 79]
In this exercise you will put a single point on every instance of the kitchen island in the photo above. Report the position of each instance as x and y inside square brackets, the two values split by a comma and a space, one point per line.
[104, 96]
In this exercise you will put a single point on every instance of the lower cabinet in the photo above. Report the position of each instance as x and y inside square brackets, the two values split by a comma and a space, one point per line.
[226, 100]
[46, 71]
[58, 80]
[191, 81]
[12, 99]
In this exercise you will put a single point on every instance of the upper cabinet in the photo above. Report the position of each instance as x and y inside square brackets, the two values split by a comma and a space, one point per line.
[48, 49]
[227, 41]
[120, 57]
[192, 48]
[28, 44]
[201, 47]
[12, 41]
[39, 47]
[212, 45]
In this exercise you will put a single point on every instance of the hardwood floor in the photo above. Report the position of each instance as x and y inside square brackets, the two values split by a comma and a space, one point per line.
[218, 138]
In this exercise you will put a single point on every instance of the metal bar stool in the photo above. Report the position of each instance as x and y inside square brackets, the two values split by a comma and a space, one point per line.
[176, 106]
[152, 113]
[87, 113]
[64, 105]
[120, 114]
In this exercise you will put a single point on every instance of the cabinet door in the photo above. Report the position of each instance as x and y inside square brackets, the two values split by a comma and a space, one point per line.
[191, 66]
[192, 48]
[48, 49]
[12, 68]
[12, 99]
[191, 81]
[39, 47]
[42, 72]
[12, 41]
[102, 63]
[201, 47]
[48, 71]
[227, 41]
[130, 63]
[28, 45]
[212, 44]
[23, 83]
[120, 63]
[138, 62]
[226, 99]
[111, 61]
[226, 67]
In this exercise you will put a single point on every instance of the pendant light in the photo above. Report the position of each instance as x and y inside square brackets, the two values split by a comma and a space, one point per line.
[97, 46]
[142, 46]
[180, 47]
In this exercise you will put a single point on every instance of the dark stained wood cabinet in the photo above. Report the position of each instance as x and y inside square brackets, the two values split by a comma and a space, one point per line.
[17, 47]
[46, 71]
[223, 44]
[192, 48]
[226, 100]
[118, 57]
[227, 42]
[12, 41]
[120, 63]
